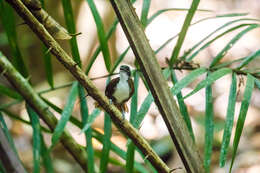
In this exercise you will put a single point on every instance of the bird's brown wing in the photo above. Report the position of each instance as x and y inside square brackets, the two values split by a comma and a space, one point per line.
[132, 87]
[111, 88]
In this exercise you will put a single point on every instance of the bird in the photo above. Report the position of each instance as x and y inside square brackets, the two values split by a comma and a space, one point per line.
[119, 90]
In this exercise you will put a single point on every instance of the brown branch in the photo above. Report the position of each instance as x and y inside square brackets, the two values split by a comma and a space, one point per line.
[163, 98]
[33, 99]
[53, 27]
[64, 58]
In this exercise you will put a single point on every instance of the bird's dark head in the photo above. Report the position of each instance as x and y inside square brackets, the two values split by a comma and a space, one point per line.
[125, 69]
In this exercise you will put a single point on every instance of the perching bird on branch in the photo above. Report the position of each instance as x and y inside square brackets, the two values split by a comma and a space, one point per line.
[119, 90]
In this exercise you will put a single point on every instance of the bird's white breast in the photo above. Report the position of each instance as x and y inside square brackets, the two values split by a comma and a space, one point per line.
[122, 91]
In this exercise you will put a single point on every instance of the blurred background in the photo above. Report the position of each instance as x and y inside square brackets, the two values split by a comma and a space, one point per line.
[153, 128]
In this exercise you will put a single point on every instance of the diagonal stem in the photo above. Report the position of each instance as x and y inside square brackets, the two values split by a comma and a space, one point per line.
[64, 58]
[164, 100]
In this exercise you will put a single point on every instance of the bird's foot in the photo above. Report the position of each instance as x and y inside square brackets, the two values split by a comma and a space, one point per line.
[123, 115]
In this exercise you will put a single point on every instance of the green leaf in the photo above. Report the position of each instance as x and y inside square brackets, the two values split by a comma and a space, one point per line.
[106, 144]
[157, 13]
[7, 134]
[88, 133]
[65, 116]
[145, 106]
[212, 77]
[209, 128]
[97, 51]
[48, 66]
[134, 99]
[242, 115]
[72, 119]
[8, 21]
[36, 138]
[185, 27]
[232, 15]
[147, 103]
[119, 59]
[101, 34]
[130, 154]
[165, 43]
[119, 151]
[47, 60]
[70, 23]
[229, 121]
[2, 170]
[257, 83]
[145, 11]
[10, 92]
[221, 16]
[228, 63]
[213, 39]
[187, 80]
[46, 157]
[248, 59]
[106, 141]
[182, 106]
[223, 52]
[91, 119]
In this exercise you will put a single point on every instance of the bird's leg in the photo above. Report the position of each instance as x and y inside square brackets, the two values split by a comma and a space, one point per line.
[123, 111]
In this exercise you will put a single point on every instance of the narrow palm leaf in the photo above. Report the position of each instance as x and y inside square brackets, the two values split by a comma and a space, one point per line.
[36, 138]
[47, 60]
[101, 34]
[145, 11]
[209, 128]
[7, 134]
[248, 59]
[148, 102]
[242, 115]
[8, 21]
[183, 107]
[70, 23]
[185, 27]
[207, 44]
[229, 121]
[9, 92]
[46, 157]
[187, 80]
[106, 141]
[88, 133]
[91, 119]
[222, 53]
[212, 77]
[130, 154]
[65, 116]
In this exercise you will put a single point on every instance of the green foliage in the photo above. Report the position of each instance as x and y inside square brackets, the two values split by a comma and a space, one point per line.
[242, 114]
[229, 121]
[214, 71]
[8, 22]
[209, 128]
[65, 115]
[36, 138]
